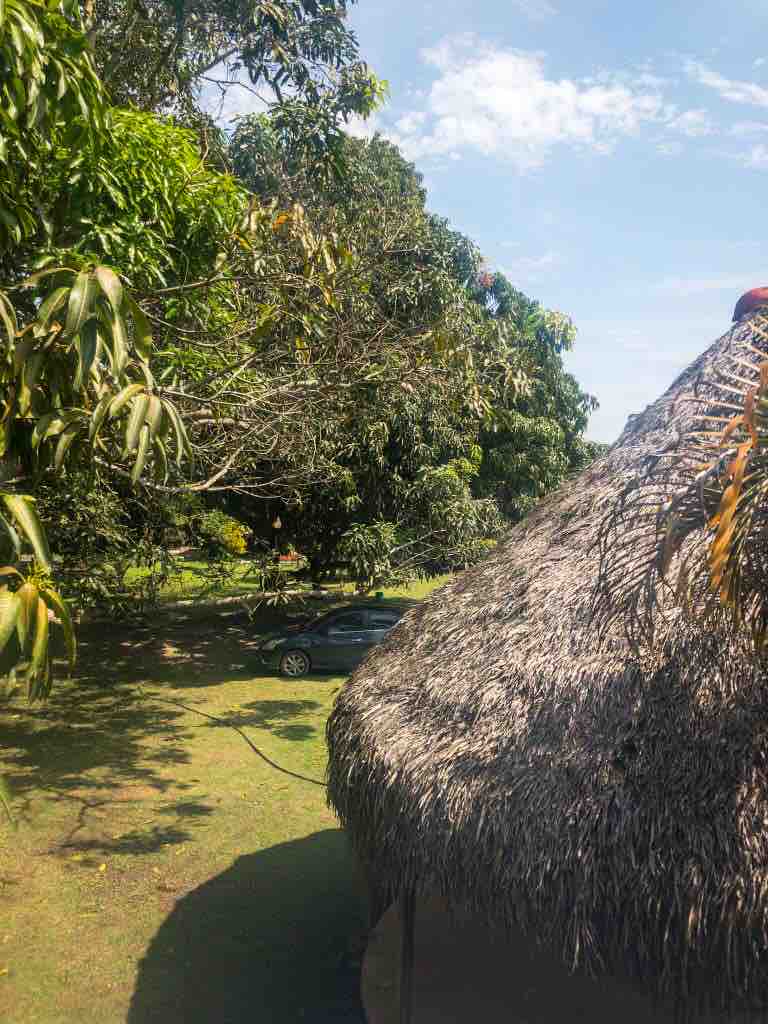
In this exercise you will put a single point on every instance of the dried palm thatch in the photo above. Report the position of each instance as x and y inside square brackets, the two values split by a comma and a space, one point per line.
[572, 737]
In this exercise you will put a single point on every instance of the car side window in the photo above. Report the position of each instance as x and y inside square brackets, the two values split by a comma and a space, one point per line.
[351, 622]
[382, 620]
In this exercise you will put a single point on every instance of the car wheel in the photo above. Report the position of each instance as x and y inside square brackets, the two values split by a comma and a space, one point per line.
[294, 664]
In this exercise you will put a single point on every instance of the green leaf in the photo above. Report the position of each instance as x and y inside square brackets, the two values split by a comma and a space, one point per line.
[33, 366]
[110, 284]
[24, 514]
[123, 398]
[10, 609]
[52, 303]
[120, 342]
[11, 223]
[12, 534]
[98, 415]
[62, 447]
[87, 345]
[182, 441]
[161, 462]
[37, 277]
[8, 315]
[141, 453]
[27, 595]
[155, 415]
[41, 427]
[38, 664]
[58, 606]
[80, 303]
[24, 346]
[142, 334]
[135, 422]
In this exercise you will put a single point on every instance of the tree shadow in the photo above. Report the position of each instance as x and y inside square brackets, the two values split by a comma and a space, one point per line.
[180, 650]
[178, 653]
[82, 727]
[271, 940]
[273, 715]
[98, 749]
[93, 754]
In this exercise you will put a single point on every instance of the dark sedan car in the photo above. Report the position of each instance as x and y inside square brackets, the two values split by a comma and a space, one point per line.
[337, 641]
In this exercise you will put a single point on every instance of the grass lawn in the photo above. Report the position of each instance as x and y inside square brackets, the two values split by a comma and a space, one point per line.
[194, 579]
[161, 871]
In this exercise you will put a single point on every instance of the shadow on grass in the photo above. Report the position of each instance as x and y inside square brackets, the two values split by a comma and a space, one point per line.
[82, 727]
[268, 941]
[273, 715]
[99, 747]
[197, 649]
[95, 750]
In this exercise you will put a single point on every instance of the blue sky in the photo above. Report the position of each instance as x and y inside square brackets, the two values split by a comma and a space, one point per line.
[610, 158]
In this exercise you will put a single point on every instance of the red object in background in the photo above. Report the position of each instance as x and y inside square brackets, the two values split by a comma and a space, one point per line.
[749, 301]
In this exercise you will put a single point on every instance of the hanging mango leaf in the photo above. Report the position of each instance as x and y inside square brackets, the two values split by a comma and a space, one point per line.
[24, 515]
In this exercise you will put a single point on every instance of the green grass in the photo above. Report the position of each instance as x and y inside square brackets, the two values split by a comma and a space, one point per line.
[194, 579]
[161, 871]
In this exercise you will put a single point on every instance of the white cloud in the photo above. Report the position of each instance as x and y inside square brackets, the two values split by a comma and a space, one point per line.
[364, 128]
[410, 123]
[736, 283]
[748, 128]
[536, 10]
[532, 267]
[757, 157]
[728, 88]
[693, 123]
[648, 78]
[500, 102]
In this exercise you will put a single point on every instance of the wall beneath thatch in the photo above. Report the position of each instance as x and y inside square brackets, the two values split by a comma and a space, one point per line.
[464, 973]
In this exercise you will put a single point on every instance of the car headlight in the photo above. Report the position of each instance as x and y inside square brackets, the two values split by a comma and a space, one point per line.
[270, 645]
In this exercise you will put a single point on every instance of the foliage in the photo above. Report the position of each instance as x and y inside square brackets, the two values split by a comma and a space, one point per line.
[484, 377]
[160, 55]
[49, 94]
[322, 344]
[224, 534]
[78, 370]
[144, 201]
[74, 370]
[102, 531]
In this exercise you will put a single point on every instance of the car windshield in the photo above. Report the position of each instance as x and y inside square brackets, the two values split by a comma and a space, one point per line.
[382, 619]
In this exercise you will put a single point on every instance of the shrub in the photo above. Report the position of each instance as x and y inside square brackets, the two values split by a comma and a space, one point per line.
[223, 534]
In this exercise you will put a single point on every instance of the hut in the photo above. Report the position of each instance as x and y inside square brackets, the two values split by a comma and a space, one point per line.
[559, 762]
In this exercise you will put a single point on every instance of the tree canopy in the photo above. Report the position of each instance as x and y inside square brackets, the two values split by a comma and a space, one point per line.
[215, 327]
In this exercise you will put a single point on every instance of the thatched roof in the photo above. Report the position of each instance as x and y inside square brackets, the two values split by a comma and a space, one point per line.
[605, 788]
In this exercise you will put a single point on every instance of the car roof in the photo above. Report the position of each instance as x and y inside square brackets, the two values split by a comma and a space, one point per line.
[372, 606]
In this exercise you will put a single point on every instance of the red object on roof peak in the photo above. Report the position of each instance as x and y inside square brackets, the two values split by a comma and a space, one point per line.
[749, 301]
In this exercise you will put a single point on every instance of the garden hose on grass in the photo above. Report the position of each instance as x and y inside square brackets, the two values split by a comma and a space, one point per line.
[239, 731]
